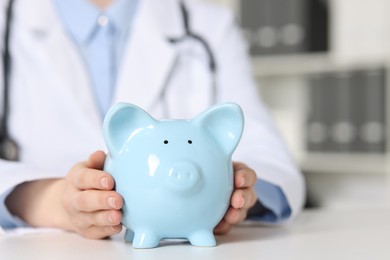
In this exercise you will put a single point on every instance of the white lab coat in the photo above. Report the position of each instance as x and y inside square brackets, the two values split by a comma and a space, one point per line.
[54, 115]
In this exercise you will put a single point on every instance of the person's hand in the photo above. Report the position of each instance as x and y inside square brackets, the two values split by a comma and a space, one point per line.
[92, 206]
[243, 198]
[84, 201]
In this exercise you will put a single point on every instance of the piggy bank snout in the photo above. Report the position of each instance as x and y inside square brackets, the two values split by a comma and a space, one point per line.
[184, 176]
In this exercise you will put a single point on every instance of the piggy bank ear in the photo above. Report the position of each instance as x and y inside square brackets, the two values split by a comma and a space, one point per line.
[122, 122]
[225, 123]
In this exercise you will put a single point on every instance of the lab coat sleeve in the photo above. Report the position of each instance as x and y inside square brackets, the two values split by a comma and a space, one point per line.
[13, 174]
[7, 220]
[261, 146]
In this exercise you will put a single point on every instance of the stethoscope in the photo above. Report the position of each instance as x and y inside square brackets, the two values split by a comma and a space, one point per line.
[9, 149]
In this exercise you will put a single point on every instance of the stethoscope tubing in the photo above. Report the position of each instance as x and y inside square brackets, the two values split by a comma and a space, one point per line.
[6, 58]
[9, 149]
[212, 65]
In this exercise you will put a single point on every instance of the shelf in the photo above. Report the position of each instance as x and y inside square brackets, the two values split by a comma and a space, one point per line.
[284, 88]
[345, 163]
[302, 64]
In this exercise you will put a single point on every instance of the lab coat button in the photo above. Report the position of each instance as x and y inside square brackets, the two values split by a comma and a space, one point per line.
[103, 20]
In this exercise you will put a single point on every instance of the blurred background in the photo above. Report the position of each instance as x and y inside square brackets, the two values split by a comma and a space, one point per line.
[322, 68]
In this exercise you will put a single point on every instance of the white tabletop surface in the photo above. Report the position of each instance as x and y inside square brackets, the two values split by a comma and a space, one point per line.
[315, 234]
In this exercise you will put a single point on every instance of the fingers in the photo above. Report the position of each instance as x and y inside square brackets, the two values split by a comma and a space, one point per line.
[232, 217]
[243, 198]
[91, 176]
[96, 214]
[94, 200]
[222, 228]
[97, 232]
[241, 201]
[92, 207]
[244, 177]
[103, 218]
[84, 178]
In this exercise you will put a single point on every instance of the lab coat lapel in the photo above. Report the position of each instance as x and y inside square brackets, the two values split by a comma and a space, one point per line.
[150, 56]
[65, 67]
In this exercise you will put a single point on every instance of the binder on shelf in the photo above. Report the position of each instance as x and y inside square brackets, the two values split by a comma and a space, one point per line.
[372, 130]
[275, 26]
[331, 126]
[318, 25]
[273, 30]
[358, 99]
[347, 112]
[316, 129]
[285, 26]
[343, 130]
[329, 109]
[292, 25]
[257, 22]
[254, 18]
[266, 33]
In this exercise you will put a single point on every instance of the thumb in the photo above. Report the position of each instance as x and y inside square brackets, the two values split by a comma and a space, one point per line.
[96, 160]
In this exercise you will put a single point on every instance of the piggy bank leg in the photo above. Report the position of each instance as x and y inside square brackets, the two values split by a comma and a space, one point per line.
[129, 235]
[202, 238]
[144, 239]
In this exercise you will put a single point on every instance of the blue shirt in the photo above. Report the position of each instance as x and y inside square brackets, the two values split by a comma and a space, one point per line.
[101, 37]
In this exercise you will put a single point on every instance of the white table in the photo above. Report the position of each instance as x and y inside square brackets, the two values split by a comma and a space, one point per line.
[315, 234]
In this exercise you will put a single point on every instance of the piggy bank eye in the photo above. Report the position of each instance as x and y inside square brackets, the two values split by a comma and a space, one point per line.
[166, 142]
[190, 141]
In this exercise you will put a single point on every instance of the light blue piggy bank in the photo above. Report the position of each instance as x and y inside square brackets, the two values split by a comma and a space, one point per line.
[175, 176]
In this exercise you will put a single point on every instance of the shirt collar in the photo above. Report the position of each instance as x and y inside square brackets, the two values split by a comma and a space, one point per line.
[121, 13]
[82, 23]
